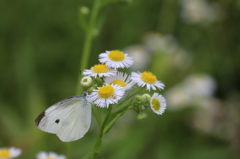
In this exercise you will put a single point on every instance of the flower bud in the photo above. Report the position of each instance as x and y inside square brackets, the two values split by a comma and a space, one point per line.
[145, 98]
[141, 116]
[98, 81]
[86, 81]
[138, 97]
[84, 10]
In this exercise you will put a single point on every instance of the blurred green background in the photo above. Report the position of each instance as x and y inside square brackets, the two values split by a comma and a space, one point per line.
[40, 49]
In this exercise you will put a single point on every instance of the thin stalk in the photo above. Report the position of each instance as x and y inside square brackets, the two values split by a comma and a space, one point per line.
[131, 95]
[88, 42]
[110, 124]
[98, 143]
[97, 115]
[68, 144]
[121, 109]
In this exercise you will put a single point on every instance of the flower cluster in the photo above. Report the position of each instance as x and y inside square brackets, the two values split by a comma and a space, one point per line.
[114, 84]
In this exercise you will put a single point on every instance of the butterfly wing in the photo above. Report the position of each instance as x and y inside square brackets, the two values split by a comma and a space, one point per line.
[76, 122]
[70, 118]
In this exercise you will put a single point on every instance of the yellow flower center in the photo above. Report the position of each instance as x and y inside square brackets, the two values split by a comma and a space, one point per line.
[50, 158]
[5, 153]
[105, 91]
[116, 55]
[156, 104]
[148, 77]
[119, 82]
[100, 68]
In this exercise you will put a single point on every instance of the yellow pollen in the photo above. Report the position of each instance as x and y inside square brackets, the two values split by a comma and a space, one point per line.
[119, 82]
[5, 153]
[100, 68]
[148, 77]
[105, 91]
[116, 55]
[156, 104]
[51, 158]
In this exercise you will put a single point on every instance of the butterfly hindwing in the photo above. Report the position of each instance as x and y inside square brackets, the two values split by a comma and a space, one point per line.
[76, 122]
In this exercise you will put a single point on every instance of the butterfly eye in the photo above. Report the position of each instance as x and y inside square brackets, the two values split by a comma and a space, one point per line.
[85, 94]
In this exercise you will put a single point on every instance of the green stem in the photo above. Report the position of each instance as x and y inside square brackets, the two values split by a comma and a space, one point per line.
[68, 144]
[104, 128]
[110, 124]
[130, 97]
[88, 42]
[121, 109]
[118, 113]
[98, 143]
[97, 115]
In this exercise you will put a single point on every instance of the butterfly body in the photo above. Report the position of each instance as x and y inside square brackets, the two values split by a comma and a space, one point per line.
[69, 119]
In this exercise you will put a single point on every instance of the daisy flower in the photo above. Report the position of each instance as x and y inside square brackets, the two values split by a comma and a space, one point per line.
[50, 155]
[115, 59]
[7, 153]
[100, 70]
[105, 95]
[120, 79]
[148, 79]
[158, 103]
[86, 81]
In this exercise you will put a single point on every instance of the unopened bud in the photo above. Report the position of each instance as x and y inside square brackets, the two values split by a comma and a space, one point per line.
[141, 116]
[145, 97]
[86, 81]
[84, 10]
[138, 97]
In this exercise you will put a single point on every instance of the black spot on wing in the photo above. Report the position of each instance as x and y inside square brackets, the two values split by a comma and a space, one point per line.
[39, 118]
[57, 121]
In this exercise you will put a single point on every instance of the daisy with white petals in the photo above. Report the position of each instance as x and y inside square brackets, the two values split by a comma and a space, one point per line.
[7, 153]
[115, 59]
[50, 155]
[100, 70]
[158, 103]
[105, 95]
[120, 79]
[147, 79]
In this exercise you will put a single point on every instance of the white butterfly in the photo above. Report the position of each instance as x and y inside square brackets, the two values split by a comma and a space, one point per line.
[69, 119]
